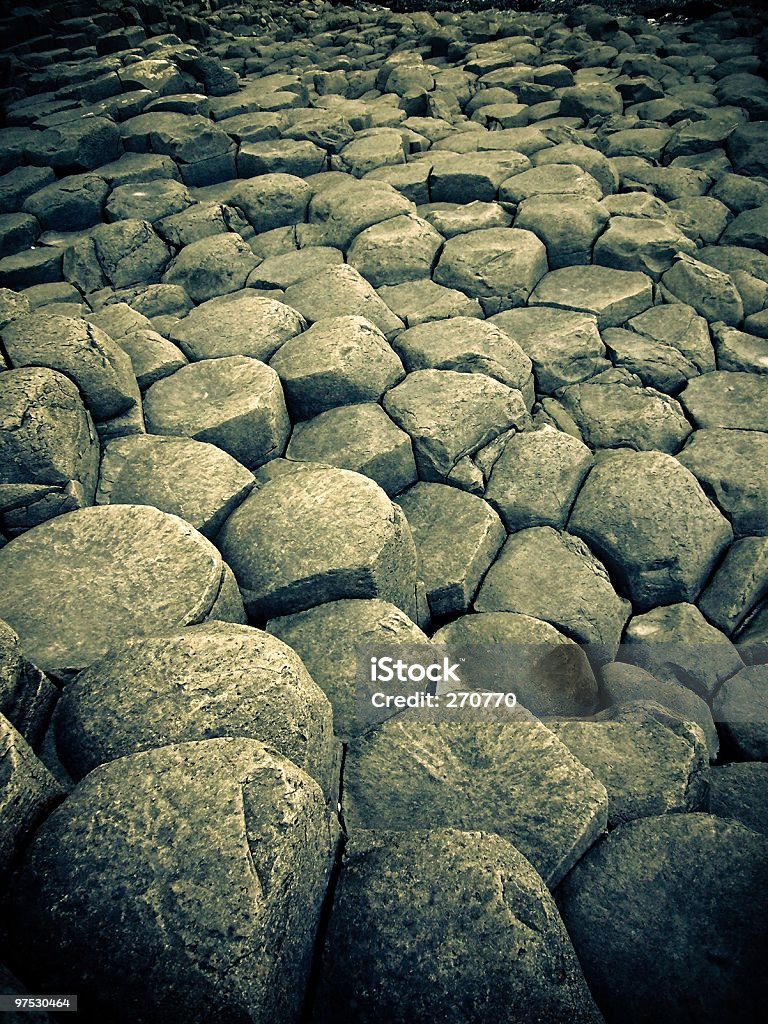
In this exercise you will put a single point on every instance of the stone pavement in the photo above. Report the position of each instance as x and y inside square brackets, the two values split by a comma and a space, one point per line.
[321, 326]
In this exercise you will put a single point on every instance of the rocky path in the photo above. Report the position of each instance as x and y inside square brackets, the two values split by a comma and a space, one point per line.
[327, 326]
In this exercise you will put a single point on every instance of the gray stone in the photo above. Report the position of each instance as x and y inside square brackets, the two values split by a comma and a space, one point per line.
[394, 251]
[241, 896]
[327, 638]
[291, 267]
[555, 577]
[746, 149]
[82, 582]
[74, 203]
[235, 403]
[589, 159]
[219, 679]
[455, 179]
[711, 292]
[345, 209]
[457, 537]
[673, 346]
[728, 399]
[729, 464]
[456, 219]
[12, 306]
[99, 367]
[341, 291]
[589, 100]
[740, 707]
[29, 792]
[272, 200]
[641, 243]
[450, 417]
[536, 479]
[549, 673]
[317, 535]
[281, 156]
[49, 452]
[21, 182]
[18, 231]
[410, 774]
[740, 192]
[739, 791]
[646, 516]
[419, 302]
[647, 766]
[27, 696]
[202, 220]
[625, 684]
[147, 200]
[190, 479]
[551, 180]
[568, 226]
[373, 147]
[718, 919]
[498, 266]
[738, 350]
[613, 296]
[339, 361]
[41, 265]
[361, 438]
[702, 218]
[77, 145]
[675, 643]
[467, 345]
[238, 324]
[621, 415]
[116, 255]
[738, 585]
[212, 266]
[564, 345]
[396, 889]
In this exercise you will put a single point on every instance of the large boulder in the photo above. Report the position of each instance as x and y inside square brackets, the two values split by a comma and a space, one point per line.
[49, 453]
[223, 922]
[396, 891]
[313, 535]
[708, 873]
[646, 516]
[218, 679]
[83, 582]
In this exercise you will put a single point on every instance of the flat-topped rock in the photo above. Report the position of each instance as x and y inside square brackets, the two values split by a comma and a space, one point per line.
[717, 918]
[738, 791]
[535, 480]
[327, 638]
[118, 255]
[360, 437]
[613, 296]
[90, 358]
[341, 360]
[739, 583]
[454, 179]
[408, 774]
[195, 481]
[457, 537]
[212, 266]
[710, 291]
[82, 582]
[239, 324]
[614, 414]
[675, 643]
[727, 399]
[341, 291]
[343, 210]
[394, 251]
[317, 535]
[219, 679]
[498, 266]
[730, 466]
[641, 244]
[467, 345]
[48, 448]
[550, 180]
[450, 416]
[564, 345]
[235, 403]
[646, 516]
[396, 889]
[230, 941]
[741, 709]
[568, 225]
[582, 604]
